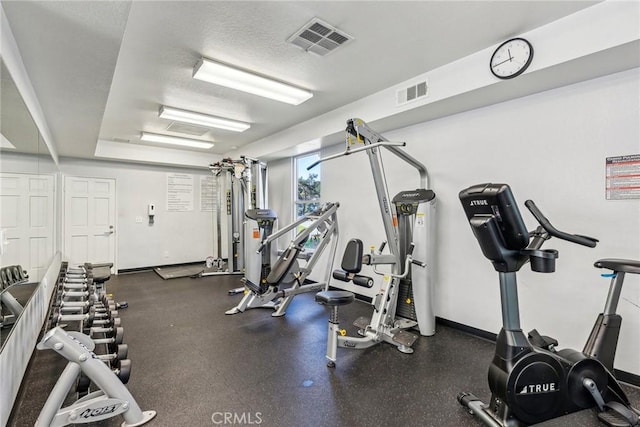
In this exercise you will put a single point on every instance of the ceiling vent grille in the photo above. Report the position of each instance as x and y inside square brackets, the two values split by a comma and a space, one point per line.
[412, 93]
[319, 37]
[187, 129]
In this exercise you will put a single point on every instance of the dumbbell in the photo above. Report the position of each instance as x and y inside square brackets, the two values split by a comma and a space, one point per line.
[87, 303]
[119, 305]
[110, 331]
[80, 278]
[76, 273]
[113, 340]
[83, 307]
[89, 319]
[79, 285]
[111, 322]
[73, 287]
[76, 270]
[116, 353]
[71, 281]
[107, 300]
[97, 313]
[122, 369]
[89, 294]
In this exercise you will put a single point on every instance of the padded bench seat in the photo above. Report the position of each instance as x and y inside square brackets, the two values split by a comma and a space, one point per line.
[101, 272]
[335, 298]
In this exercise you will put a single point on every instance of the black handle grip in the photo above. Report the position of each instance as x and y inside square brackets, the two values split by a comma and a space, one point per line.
[418, 263]
[544, 222]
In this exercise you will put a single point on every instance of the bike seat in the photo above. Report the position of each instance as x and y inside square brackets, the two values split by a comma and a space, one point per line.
[617, 264]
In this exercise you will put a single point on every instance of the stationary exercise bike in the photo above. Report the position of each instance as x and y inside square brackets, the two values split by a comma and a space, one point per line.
[530, 380]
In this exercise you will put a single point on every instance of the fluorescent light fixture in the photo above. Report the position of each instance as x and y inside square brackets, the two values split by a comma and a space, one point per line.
[224, 75]
[171, 113]
[174, 140]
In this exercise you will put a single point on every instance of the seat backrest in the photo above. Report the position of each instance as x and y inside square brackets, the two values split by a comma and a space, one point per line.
[352, 258]
[283, 265]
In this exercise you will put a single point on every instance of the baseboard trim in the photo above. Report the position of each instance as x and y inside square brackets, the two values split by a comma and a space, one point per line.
[467, 329]
[142, 269]
[627, 377]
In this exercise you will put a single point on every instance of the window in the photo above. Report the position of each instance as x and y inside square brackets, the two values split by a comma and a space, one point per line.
[307, 185]
[307, 192]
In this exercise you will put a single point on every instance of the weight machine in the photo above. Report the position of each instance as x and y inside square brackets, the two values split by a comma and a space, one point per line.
[244, 186]
[263, 281]
[405, 297]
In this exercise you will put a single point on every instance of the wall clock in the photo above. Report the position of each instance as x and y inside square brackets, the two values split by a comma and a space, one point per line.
[511, 58]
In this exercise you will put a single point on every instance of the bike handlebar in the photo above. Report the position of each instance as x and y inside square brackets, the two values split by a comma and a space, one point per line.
[544, 222]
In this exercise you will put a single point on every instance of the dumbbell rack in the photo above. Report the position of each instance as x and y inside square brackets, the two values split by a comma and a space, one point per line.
[81, 318]
[81, 304]
[10, 276]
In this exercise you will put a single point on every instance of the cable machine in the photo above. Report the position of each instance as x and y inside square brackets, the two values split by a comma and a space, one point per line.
[405, 298]
[243, 186]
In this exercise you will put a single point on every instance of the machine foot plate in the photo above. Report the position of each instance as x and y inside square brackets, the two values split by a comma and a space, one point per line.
[405, 338]
[361, 322]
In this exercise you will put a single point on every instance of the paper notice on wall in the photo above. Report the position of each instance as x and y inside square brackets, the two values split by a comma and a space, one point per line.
[179, 192]
[623, 177]
[208, 193]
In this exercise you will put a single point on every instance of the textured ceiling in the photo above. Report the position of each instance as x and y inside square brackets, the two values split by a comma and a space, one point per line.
[102, 69]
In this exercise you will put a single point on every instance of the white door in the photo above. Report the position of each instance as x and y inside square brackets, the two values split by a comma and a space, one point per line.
[89, 220]
[27, 212]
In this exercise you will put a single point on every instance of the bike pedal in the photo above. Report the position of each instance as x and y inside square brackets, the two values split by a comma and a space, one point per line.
[613, 419]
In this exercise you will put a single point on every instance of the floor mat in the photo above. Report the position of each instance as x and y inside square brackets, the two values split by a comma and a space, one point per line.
[179, 271]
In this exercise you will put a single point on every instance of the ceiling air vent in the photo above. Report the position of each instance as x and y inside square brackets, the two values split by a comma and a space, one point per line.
[319, 37]
[187, 129]
[411, 93]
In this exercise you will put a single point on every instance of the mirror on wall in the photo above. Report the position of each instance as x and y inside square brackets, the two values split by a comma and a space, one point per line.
[27, 204]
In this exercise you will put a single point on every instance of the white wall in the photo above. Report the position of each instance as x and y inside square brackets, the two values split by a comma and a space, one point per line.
[550, 147]
[175, 237]
[26, 163]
